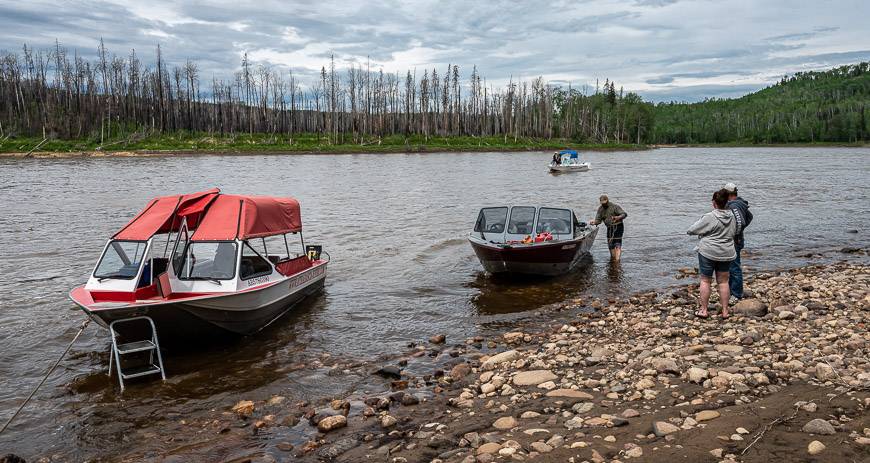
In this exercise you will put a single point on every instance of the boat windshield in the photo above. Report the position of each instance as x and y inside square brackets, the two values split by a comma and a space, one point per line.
[209, 260]
[121, 260]
[491, 220]
[554, 221]
[522, 220]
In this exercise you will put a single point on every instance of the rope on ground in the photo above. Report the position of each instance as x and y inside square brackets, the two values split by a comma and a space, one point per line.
[44, 378]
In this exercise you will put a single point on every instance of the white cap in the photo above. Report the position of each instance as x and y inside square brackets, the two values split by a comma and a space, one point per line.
[730, 187]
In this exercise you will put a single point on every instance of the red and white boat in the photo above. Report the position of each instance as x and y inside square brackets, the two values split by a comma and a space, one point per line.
[202, 265]
[530, 240]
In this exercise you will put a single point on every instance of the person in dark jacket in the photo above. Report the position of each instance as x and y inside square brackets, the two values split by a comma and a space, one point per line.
[742, 217]
[612, 215]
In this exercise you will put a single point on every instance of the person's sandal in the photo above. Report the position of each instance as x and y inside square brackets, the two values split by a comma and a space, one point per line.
[702, 315]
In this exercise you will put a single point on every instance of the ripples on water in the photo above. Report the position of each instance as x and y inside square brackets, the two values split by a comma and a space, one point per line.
[395, 227]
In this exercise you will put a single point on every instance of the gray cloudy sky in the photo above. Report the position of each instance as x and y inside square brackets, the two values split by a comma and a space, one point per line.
[663, 49]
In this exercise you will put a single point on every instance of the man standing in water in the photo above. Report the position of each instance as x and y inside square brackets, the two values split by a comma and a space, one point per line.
[612, 215]
[742, 217]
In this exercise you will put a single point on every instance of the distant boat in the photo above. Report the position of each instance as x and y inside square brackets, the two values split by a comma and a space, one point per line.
[529, 240]
[569, 161]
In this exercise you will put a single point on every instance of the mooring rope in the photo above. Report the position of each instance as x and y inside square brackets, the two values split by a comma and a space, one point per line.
[44, 378]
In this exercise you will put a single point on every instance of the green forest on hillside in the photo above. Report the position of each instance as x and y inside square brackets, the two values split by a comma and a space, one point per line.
[808, 107]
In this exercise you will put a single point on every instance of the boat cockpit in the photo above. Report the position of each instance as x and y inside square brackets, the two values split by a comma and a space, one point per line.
[517, 223]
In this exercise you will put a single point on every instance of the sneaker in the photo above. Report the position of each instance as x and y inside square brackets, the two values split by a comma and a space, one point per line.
[733, 300]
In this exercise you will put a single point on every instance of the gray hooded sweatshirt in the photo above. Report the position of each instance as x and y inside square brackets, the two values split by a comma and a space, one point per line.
[716, 230]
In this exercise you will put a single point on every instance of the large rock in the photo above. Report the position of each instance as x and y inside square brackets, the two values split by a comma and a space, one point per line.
[819, 426]
[533, 377]
[663, 428]
[570, 394]
[706, 415]
[331, 423]
[244, 408]
[815, 447]
[665, 365]
[504, 423]
[502, 357]
[541, 447]
[750, 307]
[825, 372]
[488, 448]
[697, 375]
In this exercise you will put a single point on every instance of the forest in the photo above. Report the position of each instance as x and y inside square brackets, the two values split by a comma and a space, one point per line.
[52, 95]
[807, 107]
[59, 99]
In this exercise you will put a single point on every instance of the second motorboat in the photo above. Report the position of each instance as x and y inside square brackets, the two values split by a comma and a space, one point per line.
[530, 240]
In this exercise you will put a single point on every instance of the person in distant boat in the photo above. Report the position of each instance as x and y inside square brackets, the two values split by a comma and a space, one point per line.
[557, 160]
[740, 208]
[612, 216]
[715, 251]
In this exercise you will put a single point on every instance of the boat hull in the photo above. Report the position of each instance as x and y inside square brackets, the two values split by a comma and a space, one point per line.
[546, 259]
[220, 316]
[570, 168]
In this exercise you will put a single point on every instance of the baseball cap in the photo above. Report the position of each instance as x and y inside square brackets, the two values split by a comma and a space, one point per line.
[730, 187]
[602, 199]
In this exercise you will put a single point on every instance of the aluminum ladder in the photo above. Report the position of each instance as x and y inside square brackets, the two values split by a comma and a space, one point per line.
[152, 346]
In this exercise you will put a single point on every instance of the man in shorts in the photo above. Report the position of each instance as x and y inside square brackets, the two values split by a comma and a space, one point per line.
[612, 216]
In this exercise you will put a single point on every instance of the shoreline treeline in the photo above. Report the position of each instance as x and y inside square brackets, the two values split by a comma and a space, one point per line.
[50, 93]
[55, 94]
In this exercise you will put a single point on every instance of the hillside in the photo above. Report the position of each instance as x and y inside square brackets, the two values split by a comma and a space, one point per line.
[808, 107]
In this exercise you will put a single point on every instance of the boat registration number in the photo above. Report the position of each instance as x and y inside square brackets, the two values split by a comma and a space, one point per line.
[258, 281]
[307, 277]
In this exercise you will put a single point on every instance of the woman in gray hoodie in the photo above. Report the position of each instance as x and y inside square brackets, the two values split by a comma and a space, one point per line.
[715, 251]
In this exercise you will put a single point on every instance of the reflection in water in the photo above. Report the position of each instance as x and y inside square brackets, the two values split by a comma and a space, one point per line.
[503, 294]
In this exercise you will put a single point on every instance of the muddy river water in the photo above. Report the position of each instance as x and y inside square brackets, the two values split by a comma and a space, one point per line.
[401, 270]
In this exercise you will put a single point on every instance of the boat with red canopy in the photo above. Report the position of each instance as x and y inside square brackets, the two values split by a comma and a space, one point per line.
[202, 265]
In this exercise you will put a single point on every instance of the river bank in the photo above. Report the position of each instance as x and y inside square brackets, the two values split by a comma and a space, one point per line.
[208, 144]
[635, 378]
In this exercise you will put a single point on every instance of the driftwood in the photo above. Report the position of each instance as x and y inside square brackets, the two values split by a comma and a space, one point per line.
[30, 153]
[768, 427]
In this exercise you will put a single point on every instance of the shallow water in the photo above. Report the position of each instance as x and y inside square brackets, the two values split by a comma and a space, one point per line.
[402, 270]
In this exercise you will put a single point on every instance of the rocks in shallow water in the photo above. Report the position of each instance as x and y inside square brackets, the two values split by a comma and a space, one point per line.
[533, 377]
[389, 371]
[750, 307]
[505, 423]
[460, 371]
[815, 447]
[331, 423]
[339, 447]
[244, 408]
[388, 421]
[663, 428]
[820, 427]
[438, 339]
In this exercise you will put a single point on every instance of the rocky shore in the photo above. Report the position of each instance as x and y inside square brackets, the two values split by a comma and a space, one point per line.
[786, 378]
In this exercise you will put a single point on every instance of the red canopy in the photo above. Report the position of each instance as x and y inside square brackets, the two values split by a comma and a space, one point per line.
[243, 217]
[160, 215]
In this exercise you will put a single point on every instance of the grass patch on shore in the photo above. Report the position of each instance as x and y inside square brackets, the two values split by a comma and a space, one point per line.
[302, 143]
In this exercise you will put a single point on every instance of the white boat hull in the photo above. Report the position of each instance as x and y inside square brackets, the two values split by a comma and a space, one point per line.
[581, 167]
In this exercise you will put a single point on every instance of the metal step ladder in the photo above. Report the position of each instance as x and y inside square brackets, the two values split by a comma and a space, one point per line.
[152, 346]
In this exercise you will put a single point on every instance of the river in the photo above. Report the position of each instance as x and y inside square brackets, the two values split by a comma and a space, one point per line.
[401, 269]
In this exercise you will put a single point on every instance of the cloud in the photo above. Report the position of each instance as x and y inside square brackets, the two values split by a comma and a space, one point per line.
[659, 48]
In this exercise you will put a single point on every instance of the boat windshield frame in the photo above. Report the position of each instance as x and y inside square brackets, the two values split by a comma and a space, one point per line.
[179, 272]
[112, 245]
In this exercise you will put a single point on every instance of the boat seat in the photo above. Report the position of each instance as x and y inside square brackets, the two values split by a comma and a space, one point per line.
[290, 266]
